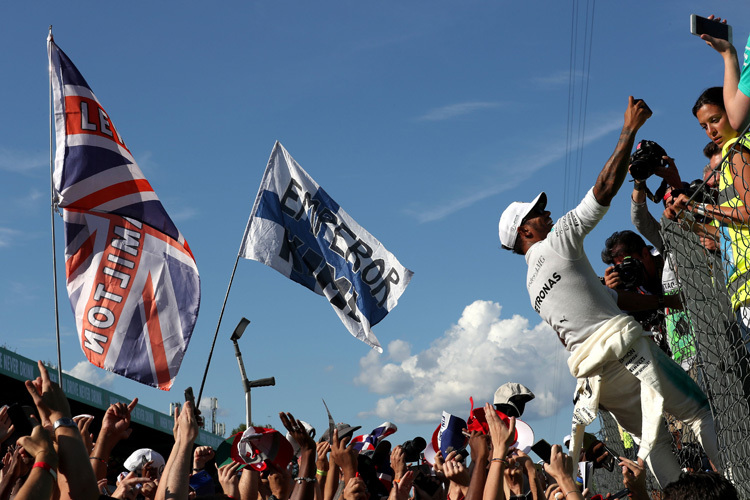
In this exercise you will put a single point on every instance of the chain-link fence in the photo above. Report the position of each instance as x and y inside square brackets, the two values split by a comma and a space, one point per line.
[708, 248]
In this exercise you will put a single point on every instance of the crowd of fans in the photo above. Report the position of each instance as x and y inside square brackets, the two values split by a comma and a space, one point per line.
[59, 458]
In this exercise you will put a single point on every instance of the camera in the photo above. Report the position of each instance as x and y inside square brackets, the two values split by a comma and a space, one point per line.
[631, 272]
[644, 160]
[413, 448]
[694, 191]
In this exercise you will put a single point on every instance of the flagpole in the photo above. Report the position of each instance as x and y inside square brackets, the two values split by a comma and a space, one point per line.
[277, 144]
[216, 334]
[53, 208]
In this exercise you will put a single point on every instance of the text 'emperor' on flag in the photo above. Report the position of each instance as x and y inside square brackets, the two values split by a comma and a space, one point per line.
[300, 231]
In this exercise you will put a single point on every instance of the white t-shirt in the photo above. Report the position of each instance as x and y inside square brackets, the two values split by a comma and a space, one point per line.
[562, 285]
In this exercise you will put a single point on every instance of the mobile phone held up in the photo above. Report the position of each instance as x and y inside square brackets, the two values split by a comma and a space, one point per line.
[704, 26]
[543, 450]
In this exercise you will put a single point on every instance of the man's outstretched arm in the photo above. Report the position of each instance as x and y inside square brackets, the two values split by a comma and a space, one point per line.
[613, 174]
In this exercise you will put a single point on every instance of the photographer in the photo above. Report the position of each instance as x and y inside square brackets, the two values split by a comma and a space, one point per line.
[634, 266]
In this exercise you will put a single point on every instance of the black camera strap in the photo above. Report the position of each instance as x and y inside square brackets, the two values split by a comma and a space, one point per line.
[658, 196]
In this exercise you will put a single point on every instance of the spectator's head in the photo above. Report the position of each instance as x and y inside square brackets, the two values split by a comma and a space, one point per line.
[511, 398]
[146, 462]
[623, 244]
[700, 486]
[711, 171]
[710, 112]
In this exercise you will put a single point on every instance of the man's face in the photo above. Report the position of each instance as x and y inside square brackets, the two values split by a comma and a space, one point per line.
[649, 264]
[539, 222]
[712, 177]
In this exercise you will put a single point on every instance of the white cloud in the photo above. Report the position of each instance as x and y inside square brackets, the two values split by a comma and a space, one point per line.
[89, 373]
[205, 408]
[558, 79]
[455, 110]
[22, 162]
[472, 358]
[532, 163]
[8, 236]
[183, 213]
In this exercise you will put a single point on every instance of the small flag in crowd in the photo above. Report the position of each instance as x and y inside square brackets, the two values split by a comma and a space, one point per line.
[449, 435]
[368, 442]
[131, 277]
[297, 229]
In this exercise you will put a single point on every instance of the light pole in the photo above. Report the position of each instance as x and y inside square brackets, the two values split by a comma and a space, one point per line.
[248, 384]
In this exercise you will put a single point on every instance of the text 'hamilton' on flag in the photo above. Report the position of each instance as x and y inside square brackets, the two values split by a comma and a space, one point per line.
[300, 231]
[131, 277]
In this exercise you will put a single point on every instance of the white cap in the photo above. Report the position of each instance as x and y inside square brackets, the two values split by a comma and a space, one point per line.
[139, 458]
[512, 217]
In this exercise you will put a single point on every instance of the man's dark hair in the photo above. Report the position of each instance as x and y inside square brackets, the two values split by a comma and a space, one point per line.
[700, 486]
[713, 95]
[625, 242]
[711, 149]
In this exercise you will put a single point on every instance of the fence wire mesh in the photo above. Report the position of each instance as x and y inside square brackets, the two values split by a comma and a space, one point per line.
[708, 248]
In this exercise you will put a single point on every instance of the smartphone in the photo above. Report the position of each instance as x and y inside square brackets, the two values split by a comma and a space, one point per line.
[19, 416]
[621, 494]
[543, 450]
[189, 396]
[610, 462]
[645, 106]
[703, 26]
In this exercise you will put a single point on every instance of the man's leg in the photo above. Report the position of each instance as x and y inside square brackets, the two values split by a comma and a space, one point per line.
[685, 401]
[621, 395]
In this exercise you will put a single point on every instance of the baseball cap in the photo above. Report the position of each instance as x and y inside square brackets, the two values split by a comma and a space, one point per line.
[513, 395]
[512, 217]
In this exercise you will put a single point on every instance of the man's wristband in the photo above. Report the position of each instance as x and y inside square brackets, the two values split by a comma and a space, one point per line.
[321, 472]
[300, 480]
[47, 467]
[99, 459]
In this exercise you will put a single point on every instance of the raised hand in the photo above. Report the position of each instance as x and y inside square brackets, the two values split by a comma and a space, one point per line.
[201, 455]
[297, 431]
[116, 422]
[634, 478]
[229, 480]
[321, 453]
[501, 435]
[6, 426]
[636, 114]
[398, 463]
[344, 456]
[84, 422]
[456, 472]
[355, 489]
[48, 397]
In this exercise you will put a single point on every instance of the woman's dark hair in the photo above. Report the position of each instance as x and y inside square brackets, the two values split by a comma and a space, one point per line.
[714, 95]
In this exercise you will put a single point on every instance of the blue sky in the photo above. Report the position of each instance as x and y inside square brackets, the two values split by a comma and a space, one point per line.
[422, 119]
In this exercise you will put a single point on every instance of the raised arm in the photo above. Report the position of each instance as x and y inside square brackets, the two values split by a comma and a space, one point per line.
[736, 103]
[613, 174]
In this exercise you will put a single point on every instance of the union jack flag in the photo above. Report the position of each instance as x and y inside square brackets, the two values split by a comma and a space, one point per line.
[367, 442]
[131, 277]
